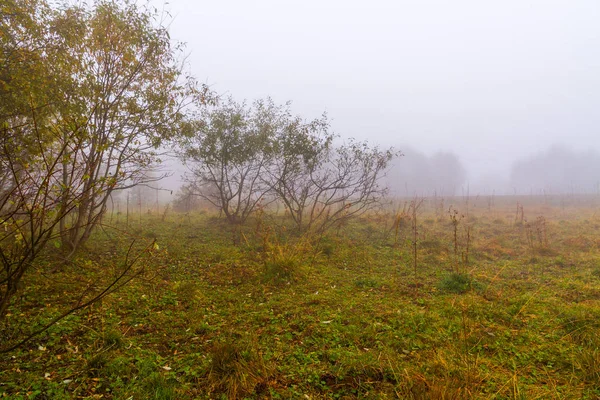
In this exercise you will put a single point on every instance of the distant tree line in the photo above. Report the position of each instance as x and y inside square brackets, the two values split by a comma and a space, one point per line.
[558, 170]
[441, 174]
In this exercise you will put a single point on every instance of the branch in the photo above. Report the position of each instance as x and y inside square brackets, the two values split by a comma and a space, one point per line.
[115, 285]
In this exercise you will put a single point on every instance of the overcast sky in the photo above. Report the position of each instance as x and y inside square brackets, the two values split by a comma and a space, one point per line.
[492, 81]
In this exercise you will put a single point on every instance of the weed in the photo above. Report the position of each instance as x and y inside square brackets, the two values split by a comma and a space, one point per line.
[157, 387]
[581, 325]
[145, 367]
[414, 207]
[113, 338]
[236, 369]
[400, 221]
[96, 363]
[588, 362]
[520, 215]
[458, 283]
[327, 247]
[203, 328]
[281, 268]
[187, 292]
[366, 283]
[420, 387]
[119, 367]
[537, 237]
[467, 246]
[560, 262]
[283, 260]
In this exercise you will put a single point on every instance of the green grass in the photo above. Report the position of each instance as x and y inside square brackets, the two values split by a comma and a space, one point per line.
[344, 315]
[458, 283]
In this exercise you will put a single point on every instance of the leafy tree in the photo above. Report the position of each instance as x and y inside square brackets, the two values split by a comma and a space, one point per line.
[129, 97]
[87, 95]
[24, 72]
[301, 149]
[321, 184]
[243, 155]
[29, 156]
[26, 81]
[229, 153]
[30, 210]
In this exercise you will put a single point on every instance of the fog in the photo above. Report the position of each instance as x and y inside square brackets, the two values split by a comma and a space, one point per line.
[495, 84]
[557, 170]
[416, 174]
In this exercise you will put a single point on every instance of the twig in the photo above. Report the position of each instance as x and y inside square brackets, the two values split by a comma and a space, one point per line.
[113, 287]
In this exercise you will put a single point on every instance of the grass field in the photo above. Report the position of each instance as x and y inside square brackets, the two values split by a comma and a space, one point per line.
[503, 302]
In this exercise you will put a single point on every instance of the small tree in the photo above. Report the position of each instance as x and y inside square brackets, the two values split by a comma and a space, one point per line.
[86, 96]
[321, 184]
[229, 153]
[29, 213]
[241, 155]
[186, 200]
[29, 155]
[126, 97]
[302, 149]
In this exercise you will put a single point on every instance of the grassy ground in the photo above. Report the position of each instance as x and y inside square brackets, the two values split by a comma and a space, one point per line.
[508, 310]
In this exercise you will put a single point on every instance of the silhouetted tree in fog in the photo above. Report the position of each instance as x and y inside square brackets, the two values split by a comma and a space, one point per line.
[419, 174]
[557, 170]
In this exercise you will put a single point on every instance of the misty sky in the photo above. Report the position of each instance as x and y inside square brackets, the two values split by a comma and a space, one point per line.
[492, 81]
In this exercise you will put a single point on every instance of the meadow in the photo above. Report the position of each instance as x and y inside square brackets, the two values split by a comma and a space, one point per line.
[455, 298]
